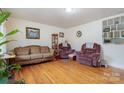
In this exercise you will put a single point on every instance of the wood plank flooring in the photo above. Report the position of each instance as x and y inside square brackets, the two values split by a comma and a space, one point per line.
[69, 72]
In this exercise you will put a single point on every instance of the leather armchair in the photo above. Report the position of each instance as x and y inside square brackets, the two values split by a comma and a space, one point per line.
[89, 56]
[65, 51]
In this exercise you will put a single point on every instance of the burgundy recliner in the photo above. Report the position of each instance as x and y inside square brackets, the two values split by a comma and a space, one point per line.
[89, 56]
[65, 51]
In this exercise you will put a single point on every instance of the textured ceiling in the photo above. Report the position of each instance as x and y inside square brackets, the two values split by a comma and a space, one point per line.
[59, 18]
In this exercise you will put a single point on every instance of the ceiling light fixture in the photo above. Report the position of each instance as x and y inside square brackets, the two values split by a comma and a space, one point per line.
[68, 9]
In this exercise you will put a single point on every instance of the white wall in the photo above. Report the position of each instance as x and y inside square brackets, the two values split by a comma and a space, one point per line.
[45, 33]
[92, 32]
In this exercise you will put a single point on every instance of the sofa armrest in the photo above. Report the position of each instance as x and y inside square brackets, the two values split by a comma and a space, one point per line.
[11, 52]
[52, 51]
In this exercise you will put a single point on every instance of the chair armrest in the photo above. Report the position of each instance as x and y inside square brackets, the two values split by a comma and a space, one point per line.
[73, 50]
[96, 56]
[78, 53]
[96, 59]
[60, 50]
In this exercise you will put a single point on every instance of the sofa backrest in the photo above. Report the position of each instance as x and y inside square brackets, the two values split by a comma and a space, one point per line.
[22, 51]
[33, 49]
[44, 49]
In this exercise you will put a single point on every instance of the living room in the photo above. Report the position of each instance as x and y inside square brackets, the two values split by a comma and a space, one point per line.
[51, 29]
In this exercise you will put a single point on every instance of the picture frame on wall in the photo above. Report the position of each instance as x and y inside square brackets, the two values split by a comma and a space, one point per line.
[32, 33]
[61, 34]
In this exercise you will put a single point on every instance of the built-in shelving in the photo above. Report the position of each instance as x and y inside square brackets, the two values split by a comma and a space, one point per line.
[113, 30]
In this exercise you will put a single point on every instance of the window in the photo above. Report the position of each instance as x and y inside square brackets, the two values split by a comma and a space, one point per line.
[2, 29]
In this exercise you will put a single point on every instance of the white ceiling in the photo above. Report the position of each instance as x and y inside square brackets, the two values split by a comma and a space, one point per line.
[59, 18]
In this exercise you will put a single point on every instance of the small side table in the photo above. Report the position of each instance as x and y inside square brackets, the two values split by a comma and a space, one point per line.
[8, 57]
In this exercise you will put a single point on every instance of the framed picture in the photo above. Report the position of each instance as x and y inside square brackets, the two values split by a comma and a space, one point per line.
[61, 34]
[32, 33]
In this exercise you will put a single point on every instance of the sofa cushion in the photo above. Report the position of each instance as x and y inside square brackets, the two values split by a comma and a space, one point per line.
[44, 49]
[34, 49]
[22, 58]
[46, 55]
[36, 56]
[22, 51]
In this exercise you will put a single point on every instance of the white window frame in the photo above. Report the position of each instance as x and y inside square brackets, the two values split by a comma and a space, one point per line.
[2, 29]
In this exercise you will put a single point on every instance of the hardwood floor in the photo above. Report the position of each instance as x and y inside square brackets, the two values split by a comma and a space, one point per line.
[69, 72]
